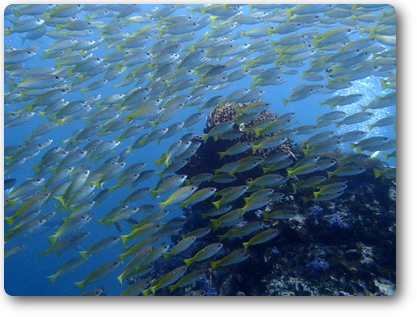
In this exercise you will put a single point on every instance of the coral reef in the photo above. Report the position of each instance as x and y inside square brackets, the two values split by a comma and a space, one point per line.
[341, 247]
[207, 159]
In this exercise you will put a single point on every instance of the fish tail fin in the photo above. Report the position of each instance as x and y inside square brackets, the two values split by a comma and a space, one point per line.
[9, 159]
[153, 289]
[285, 101]
[100, 221]
[80, 285]
[217, 204]
[51, 239]
[122, 257]
[247, 130]
[160, 161]
[12, 85]
[52, 278]
[245, 245]
[188, 262]
[214, 264]
[304, 73]
[7, 237]
[214, 224]
[166, 256]
[377, 173]
[330, 174]
[84, 254]
[61, 199]
[120, 279]
[257, 132]
[315, 42]
[153, 192]
[9, 220]
[288, 12]
[96, 183]
[124, 238]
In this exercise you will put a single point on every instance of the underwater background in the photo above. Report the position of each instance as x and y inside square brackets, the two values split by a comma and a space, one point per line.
[344, 246]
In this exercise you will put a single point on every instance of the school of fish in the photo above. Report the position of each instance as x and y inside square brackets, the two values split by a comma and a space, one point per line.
[175, 60]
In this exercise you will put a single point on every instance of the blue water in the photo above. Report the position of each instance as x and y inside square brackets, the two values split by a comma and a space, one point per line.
[25, 274]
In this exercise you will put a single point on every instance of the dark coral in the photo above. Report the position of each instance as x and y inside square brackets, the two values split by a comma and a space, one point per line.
[207, 159]
[345, 246]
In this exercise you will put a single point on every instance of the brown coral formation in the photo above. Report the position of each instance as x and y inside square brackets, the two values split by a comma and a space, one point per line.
[207, 159]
